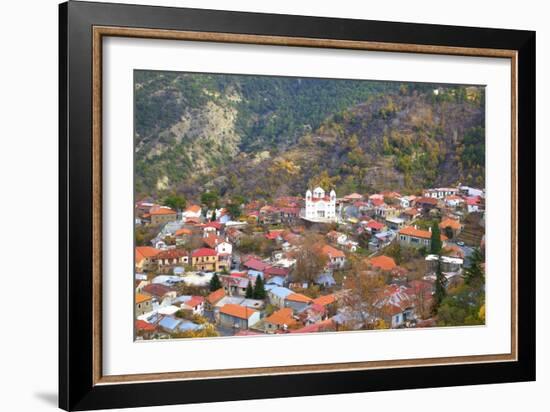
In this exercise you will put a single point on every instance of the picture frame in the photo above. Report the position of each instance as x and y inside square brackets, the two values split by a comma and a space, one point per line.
[82, 28]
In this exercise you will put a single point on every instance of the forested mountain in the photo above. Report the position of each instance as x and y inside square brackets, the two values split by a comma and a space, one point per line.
[259, 136]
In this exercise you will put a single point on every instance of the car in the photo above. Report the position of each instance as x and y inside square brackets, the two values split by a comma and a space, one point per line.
[460, 243]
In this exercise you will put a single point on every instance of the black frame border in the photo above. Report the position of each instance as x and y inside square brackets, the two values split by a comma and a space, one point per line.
[76, 387]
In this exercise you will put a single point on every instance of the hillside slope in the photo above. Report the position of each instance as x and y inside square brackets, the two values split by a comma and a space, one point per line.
[261, 136]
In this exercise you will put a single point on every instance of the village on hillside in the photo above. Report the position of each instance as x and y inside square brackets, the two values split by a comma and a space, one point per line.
[319, 261]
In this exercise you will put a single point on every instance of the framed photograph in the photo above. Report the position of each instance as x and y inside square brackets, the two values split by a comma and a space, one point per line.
[257, 206]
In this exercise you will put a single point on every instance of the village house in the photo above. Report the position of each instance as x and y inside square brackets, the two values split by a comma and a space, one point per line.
[384, 211]
[426, 203]
[144, 256]
[238, 317]
[277, 295]
[213, 298]
[193, 211]
[453, 201]
[448, 264]
[144, 304]
[410, 214]
[337, 237]
[144, 330]
[223, 248]
[281, 319]
[235, 285]
[450, 227]
[168, 259]
[473, 204]
[161, 215]
[336, 258]
[161, 293]
[396, 306]
[440, 193]
[411, 236]
[182, 236]
[205, 259]
[374, 226]
[395, 223]
[195, 305]
[297, 301]
[407, 201]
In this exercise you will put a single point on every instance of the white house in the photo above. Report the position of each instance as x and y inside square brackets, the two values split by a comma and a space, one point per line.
[193, 211]
[440, 192]
[319, 206]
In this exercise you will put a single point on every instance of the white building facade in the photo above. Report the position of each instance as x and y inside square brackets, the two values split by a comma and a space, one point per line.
[319, 206]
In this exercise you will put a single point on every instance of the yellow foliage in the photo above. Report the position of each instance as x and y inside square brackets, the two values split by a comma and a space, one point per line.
[481, 313]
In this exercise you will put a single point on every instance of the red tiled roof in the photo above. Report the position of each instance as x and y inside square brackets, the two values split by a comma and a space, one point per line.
[255, 264]
[332, 252]
[145, 326]
[157, 289]
[212, 240]
[183, 232]
[171, 254]
[385, 263]
[237, 311]
[427, 201]
[315, 327]
[424, 234]
[140, 298]
[194, 301]
[203, 251]
[373, 224]
[144, 252]
[162, 211]
[325, 300]
[452, 223]
[298, 297]
[193, 209]
[276, 271]
[215, 296]
[215, 225]
[281, 317]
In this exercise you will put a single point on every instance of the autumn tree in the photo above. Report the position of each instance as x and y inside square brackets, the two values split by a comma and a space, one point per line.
[362, 295]
[310, 261]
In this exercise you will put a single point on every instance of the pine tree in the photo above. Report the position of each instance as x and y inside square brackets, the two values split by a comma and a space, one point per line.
[259, 289]
[215, 283]
[436, 244]
[440, 291]
[213, 219]
[475, 275]
[249, 291]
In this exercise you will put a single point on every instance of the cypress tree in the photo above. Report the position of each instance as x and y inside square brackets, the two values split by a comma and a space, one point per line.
[249, 291]
[259, 289]
[475, 275]
[440, 291]
[215, 283]
[435, 244]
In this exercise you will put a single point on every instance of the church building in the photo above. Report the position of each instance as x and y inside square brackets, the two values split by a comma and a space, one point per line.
[319, 206]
